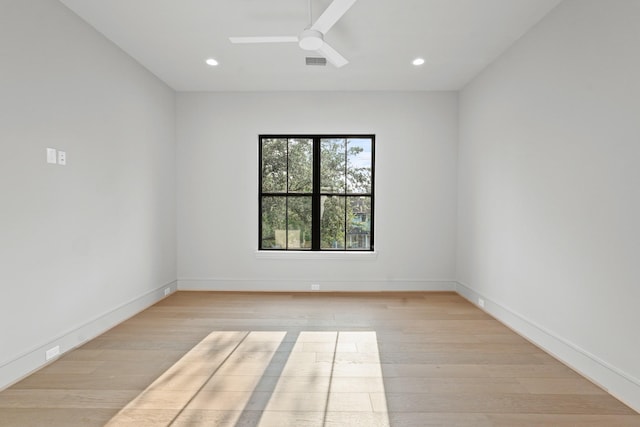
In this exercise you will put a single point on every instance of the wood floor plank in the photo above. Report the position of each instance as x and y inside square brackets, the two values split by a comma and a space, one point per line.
[65, 398]
[310, 359]
[560, 386]
[498, 403]
[28, 417]
[563, 420]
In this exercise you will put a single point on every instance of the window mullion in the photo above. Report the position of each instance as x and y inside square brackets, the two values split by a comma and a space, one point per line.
[346, 168]
[315, 199]
[286, 203]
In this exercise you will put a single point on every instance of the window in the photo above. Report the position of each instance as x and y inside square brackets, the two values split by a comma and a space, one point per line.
[316, 192]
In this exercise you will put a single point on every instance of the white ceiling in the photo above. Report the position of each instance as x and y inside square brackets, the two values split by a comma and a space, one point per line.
[172, 38]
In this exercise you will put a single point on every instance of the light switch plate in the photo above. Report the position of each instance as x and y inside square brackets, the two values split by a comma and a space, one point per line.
[51, 156]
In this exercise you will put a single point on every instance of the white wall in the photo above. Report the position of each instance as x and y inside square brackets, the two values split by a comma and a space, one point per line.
[549, 189]
[84, 245]
[415, 188]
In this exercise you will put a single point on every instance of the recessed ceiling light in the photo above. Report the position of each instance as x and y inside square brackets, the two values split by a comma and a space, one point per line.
[212, 62]
[417, 62]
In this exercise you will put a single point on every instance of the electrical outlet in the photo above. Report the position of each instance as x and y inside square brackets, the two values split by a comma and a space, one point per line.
[52, 352]
[62, 158]
[481, 302]
[315, 287]
[166, 291]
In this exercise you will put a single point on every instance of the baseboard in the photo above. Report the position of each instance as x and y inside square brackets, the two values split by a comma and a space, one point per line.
[21, 366]
[303, 285]
[619, 384]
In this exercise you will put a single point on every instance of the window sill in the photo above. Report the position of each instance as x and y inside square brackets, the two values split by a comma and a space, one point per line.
[306, 255]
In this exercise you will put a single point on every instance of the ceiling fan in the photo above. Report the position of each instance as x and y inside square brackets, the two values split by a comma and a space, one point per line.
[312, 38]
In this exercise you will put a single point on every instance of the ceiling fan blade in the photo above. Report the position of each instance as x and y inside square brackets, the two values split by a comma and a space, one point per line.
[332, 56]
[266, 39]
[331, 15]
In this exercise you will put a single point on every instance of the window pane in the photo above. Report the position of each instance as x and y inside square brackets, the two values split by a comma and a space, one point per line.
[359, 165]
[332, 224]
[299, 226]
[300, 165]
[274, 233]
[274, 165]
[332, 165]
[359, 223]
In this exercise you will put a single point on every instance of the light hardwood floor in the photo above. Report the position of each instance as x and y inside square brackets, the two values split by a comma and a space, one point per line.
[318, 359]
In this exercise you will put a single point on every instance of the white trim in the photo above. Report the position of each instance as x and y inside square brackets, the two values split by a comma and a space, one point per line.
[14, 370]
[307, 255]
[304, 285]
[618, 383]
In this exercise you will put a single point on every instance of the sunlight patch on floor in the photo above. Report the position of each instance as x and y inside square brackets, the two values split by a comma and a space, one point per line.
[268, 378]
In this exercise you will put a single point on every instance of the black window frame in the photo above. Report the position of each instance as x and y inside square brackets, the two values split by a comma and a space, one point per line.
[316, 193]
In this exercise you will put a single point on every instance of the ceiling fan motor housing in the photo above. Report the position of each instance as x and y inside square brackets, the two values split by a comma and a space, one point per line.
[310, 40]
